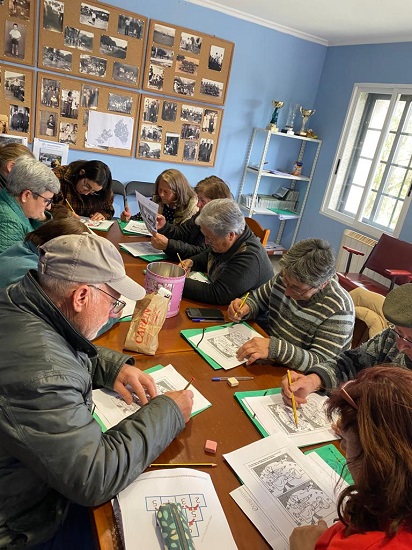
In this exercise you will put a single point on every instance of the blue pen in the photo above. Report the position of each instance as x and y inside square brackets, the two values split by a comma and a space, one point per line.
[203, 321]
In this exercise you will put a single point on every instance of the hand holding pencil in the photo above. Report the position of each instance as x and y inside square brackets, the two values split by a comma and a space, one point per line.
[238, 308]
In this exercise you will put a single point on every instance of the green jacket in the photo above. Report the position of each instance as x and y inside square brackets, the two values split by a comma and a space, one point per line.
[14, 225]
[52, 450]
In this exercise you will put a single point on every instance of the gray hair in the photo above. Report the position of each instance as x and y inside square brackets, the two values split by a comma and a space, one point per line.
[221, 217]
[310, 261]
[29, 173]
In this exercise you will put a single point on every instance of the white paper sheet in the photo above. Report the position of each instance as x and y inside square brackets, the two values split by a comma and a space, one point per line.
[102, 225]
[141, 249]
[109, 130]
[48, 151]
[198, 276]
[193, 490]
[137, 227]
[148, 211]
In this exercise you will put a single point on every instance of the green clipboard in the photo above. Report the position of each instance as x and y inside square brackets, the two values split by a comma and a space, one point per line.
[335, 459]
[122, 226]
[147, 257]
[240, 397]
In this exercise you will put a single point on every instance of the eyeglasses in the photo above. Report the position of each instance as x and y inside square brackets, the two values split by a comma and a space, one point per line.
[117, 305]
[347, 397]
[47, 202]
[393, 329]
[294, 288]
[87, 187]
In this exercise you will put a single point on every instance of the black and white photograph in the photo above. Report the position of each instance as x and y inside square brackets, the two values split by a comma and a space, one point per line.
[86, 117]
[94, 16]
[125, 73]
[130, 26]
[94, 66]
[184, 86]
[70, 103]
[169, 111]
[190, 151]
[191, 113]
[120, 103]
[14, 40]
[53, 13]
[164, 35]
[150, 110]
[210, 87]
[216, 58]
[78, 38]
[205, 150]
[156, 77]
[171, 144]
[190, 43]
[68, 133]
[50, 159]
[115, 47]
[19, 118]
[50, 92]
[149, 150]
[151, 133]
[186, 64]
[14, 85]
[90, 96]
[20, 9]
[190, 131]
[48, 123]
[209, 121]
[161, 56]
[57, 59]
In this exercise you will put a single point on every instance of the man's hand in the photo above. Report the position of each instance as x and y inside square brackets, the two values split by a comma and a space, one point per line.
[184, 400]
[97, 217]
[159, 241]
[234, 312]
[125, 215]
[138, 381]
[160, 221]
[305, 538]
[302, 386]
[253, 349]
[187, 265]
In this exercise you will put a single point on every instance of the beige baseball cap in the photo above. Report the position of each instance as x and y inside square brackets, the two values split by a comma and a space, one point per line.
[90, 259]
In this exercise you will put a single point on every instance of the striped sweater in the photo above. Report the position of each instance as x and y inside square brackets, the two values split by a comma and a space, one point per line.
[304, 333]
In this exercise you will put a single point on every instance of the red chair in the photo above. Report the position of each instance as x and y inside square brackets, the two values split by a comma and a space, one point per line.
[391, 258]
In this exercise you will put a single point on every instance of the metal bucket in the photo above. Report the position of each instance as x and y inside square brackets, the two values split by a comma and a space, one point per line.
[169, 276]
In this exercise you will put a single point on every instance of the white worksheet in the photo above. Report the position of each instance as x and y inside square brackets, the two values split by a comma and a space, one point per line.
[148, 211]
[141, 249]
[137, 227]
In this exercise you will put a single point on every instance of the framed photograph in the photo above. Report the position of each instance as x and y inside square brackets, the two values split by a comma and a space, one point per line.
[16, 101]
[185, 63]
[177, 131]
[15, 40]
[18, 31]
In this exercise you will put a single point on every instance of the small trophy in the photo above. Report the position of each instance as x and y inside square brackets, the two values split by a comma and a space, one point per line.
[272, 126]
[306, 113]
[290, 122]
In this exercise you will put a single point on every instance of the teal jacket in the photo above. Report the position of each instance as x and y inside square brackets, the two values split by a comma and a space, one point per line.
[14, 225]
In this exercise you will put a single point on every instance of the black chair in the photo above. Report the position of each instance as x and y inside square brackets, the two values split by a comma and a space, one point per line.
[144, 187]
[118, 188]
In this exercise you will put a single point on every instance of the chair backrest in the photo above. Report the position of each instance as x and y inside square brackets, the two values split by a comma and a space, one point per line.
[146, 188]
[390, 253]
[262, 234]
[118, 188]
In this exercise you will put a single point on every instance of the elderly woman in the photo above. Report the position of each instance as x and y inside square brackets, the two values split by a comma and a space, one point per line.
[310, 316]
[86, 190]
[31, 186]
[9, 152]
[235, 261]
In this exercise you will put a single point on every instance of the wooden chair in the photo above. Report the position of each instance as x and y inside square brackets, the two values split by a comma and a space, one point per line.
[391, 258]
[257, 229]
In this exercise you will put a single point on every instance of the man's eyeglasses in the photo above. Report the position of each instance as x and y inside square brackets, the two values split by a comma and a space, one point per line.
[393, 329]
[347, 397]
[117, 305]
[87, 187]
[47, 202]
[295, 289]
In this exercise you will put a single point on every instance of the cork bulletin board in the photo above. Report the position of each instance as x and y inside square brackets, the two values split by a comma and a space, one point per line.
[16, 101]
[65, 106]
[178, 131]
[17, 30]
[185, 63]
[92, 40]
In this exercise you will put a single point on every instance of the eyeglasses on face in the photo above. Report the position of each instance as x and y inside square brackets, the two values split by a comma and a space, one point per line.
[295, 289]
[347, 397]
[393, 329]
[47, 202]
[87, 187]
[117, 304]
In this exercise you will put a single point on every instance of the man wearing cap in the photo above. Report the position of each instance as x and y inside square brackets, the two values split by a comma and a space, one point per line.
[52, 451]
[393, 345]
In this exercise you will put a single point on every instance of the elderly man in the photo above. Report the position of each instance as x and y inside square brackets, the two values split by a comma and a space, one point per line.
[53, 452]
[310, 316]
[235, 261]
[393, 345]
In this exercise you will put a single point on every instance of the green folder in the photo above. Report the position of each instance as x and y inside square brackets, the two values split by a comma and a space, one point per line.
[240, 397]
[122, 226]
[147, 257]
[335, 459]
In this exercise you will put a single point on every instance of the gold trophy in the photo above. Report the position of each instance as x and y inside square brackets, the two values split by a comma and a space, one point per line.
[306, 113]
[272, 126]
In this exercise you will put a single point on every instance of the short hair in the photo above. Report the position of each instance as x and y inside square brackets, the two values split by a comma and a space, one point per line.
[55, 228]
[213, 188]
[94, 170]
[11, 151]
[381, 499]
[310, 261]
[29, 173]
[222, 216]
[178, 184]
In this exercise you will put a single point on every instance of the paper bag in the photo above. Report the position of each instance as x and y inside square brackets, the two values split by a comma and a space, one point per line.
[148, 318]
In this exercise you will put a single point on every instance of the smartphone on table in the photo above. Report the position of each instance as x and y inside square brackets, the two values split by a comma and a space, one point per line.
[204, 314]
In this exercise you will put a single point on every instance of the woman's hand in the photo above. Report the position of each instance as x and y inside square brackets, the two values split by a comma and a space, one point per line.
[305, 538]
[125, 215]
[187, 265]
[159, 241]
[97, 217]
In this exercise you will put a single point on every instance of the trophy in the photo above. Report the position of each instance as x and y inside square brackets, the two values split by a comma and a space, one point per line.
[290, 122]
[306, 113]
[272, 126]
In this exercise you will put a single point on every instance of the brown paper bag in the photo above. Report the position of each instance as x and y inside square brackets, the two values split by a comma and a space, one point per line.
[148, 318]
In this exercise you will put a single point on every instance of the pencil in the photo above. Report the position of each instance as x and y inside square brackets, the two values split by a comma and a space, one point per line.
[242, 303]
[180, 260]
[182, 464]
[295, 413]
[70, 206]
[189, 383]
[125, 203]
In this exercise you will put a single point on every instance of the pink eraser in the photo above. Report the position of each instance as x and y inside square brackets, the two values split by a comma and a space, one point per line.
[210, 446]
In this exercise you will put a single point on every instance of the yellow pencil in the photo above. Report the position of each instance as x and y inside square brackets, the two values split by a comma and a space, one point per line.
[295, 412]
[187, 465]
[242, 303]
[70, 206]
[180, 260]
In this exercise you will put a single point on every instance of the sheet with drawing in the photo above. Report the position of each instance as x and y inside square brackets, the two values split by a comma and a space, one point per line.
[148, 211]
[101, 225]
[137, 227]
[191, 488]
[142, 249]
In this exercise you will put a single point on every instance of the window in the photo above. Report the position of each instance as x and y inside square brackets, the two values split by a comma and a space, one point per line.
[370, 185]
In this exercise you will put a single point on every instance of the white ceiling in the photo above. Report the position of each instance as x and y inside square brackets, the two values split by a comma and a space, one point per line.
[328, 22]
